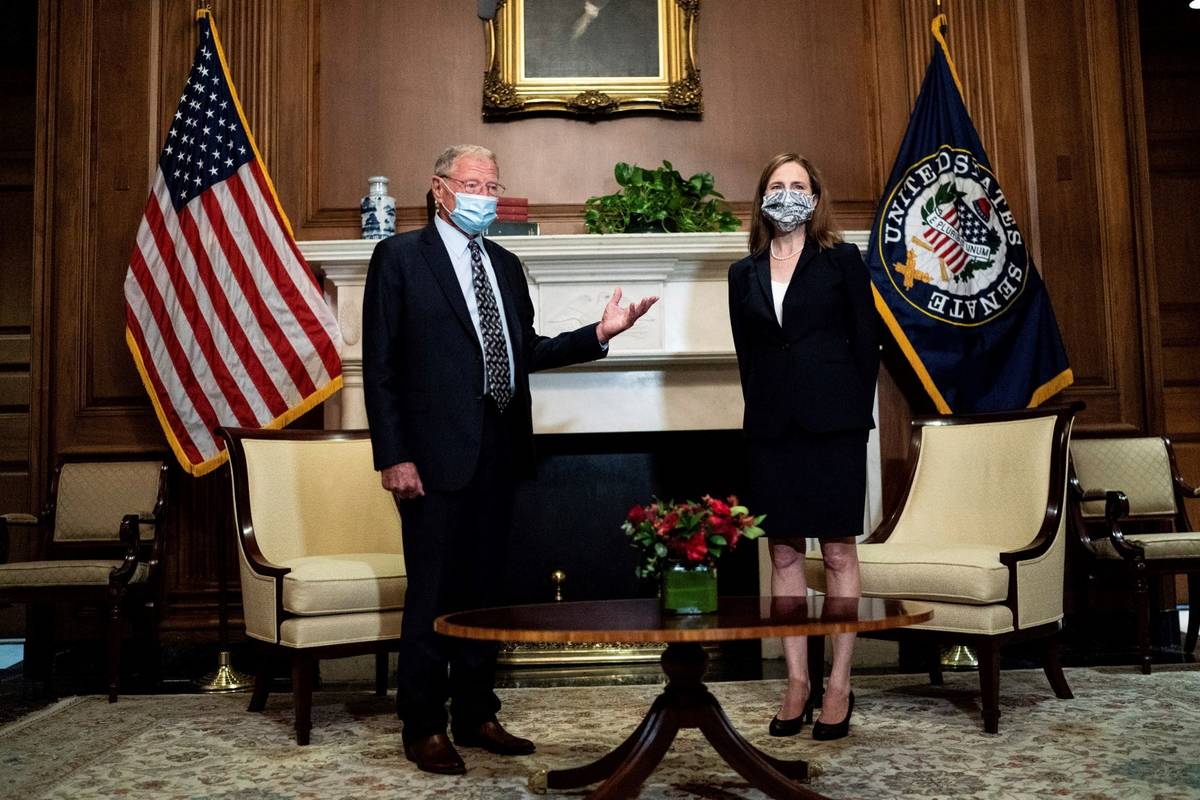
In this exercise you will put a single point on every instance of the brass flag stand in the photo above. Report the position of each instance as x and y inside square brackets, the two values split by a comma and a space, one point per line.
[224, 678]
[959, 658]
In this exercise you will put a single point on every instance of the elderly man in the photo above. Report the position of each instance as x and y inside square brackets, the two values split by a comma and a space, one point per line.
[448, 345]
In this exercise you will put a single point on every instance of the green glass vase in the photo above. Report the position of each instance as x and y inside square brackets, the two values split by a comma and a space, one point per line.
[689, 589]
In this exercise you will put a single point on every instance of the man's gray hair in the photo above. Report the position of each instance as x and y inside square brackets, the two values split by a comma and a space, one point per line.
[450, 155]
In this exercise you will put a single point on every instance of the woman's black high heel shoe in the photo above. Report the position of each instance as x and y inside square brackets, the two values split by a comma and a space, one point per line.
[824, 731]
[790, 727]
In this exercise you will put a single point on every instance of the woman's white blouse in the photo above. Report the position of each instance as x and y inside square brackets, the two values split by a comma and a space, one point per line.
[778, 290]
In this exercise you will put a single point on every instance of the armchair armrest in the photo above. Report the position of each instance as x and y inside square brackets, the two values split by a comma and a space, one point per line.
[258, 562]
[1185, 488]
[24, 520]
[1079, 494]
[130, 540]
[1045, 535]
[1116, 506]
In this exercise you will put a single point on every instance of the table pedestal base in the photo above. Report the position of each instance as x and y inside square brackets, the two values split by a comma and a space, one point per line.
[684, 703]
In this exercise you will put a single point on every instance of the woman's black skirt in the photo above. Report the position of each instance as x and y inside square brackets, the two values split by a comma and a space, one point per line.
[810, 485]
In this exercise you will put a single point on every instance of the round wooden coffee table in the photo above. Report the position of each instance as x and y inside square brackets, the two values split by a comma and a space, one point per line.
[685, 701]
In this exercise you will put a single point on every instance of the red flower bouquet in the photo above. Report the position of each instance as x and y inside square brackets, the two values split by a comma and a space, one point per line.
[689, 533]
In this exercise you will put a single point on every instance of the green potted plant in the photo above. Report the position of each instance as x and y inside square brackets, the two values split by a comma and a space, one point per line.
[659, 201]
[679, 543]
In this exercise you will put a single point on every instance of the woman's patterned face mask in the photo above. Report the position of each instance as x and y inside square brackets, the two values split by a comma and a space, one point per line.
[788, 208]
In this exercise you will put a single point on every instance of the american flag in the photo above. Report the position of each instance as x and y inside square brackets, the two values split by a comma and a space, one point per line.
[960, 233]
[226, 322]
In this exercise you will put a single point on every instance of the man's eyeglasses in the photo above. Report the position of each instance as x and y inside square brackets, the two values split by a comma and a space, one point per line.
[477, 187]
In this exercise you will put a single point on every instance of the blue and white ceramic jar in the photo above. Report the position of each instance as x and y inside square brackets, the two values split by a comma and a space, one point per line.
[378, 210]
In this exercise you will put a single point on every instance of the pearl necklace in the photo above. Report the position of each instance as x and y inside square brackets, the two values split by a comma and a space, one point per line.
[771, 247]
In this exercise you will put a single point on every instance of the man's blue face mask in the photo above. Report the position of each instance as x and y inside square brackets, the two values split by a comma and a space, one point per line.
[473, 213]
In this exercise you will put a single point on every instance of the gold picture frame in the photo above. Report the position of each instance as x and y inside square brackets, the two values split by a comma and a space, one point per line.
[593, 59]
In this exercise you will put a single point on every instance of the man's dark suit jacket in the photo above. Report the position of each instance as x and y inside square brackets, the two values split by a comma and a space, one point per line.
[817, 373]
[423, 365]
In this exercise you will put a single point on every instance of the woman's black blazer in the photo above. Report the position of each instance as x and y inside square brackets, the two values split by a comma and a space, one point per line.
[817, 373]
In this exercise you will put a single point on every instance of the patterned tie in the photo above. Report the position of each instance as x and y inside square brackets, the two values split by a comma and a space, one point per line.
[495, 353]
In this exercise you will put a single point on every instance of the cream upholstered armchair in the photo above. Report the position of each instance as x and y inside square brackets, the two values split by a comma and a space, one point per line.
[322, 564]
[979, 536]
[1132, 524]
[101, 536]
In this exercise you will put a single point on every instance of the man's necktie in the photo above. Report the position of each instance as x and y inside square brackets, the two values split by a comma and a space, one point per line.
[495, 352]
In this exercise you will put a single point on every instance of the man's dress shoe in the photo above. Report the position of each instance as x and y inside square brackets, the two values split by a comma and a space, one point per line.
[492, 737]
[435, 754]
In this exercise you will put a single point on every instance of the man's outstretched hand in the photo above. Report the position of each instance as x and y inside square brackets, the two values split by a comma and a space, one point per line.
[617, 319]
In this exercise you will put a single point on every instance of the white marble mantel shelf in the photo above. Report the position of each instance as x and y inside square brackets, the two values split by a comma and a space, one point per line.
[675, 370]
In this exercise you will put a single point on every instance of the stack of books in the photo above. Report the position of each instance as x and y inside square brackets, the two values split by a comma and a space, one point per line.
[512, 209]
[512, 218]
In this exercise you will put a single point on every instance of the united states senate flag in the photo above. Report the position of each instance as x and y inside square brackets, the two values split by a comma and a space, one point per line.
[951, 274]
[226, 322]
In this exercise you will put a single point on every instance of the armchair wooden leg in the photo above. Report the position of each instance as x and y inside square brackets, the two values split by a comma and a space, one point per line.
[114, 644]
[381, 673]
[262, 680]
[1141, 596]
[1189, 643]
[1052, 666]
[935, 666]
[989, 685]
[39, 646]
[302, 688]
[816, 669]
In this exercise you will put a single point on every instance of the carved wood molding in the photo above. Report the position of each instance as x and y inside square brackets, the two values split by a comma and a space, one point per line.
[1145, 270]
[985, 42]
[250, 35]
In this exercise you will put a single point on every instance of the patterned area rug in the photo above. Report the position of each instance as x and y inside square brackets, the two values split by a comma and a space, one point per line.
[1124, 736]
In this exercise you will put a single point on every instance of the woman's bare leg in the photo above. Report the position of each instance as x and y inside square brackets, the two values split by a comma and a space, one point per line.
[787, 579]
[841, 580]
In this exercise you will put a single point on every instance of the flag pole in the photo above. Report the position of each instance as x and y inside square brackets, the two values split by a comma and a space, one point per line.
[224, 678]
[959, 657]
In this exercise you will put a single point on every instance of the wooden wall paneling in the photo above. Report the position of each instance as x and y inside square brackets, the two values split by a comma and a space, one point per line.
[1143, 216]
[1118, 205]
[1170, 73]
[984, 40]
[40, 331]
[64, 222]
[103, 52]
[121, 81]
[363, 119]
[1065, 176]
[18, 72]
[250, 34]
[295, 113]
[894, 89]
[1086, 204]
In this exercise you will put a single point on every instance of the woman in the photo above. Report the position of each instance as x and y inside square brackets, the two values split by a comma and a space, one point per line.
[805, 332]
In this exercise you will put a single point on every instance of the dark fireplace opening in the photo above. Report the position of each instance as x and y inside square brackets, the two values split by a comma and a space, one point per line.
[569, 518]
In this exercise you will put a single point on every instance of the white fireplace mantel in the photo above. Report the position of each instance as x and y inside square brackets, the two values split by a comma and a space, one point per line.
[674, 370]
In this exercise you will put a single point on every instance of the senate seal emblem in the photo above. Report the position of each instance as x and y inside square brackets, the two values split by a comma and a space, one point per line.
[949, 242]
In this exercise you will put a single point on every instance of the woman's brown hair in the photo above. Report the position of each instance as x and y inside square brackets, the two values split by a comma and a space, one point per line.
[819, 228]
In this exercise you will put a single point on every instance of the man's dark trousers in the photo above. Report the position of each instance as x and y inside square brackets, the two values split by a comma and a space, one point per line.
[455, 550]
